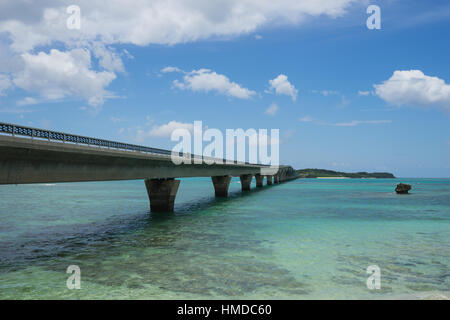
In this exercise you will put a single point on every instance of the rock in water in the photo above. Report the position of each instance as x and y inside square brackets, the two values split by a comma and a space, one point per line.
[403, 188]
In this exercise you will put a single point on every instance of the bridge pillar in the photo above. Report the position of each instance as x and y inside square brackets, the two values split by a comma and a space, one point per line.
[275, 179]
[221, 184]
[246, 181]
[259, 180]
[269, 180]
[161, 193]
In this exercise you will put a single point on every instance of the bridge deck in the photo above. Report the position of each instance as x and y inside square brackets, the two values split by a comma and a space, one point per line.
[24, 160]
[42, 156]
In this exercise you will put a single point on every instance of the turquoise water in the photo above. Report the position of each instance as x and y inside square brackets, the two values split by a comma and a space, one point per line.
[304, 239]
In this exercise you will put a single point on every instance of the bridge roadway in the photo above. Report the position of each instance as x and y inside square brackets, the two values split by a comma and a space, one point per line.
[30, 155]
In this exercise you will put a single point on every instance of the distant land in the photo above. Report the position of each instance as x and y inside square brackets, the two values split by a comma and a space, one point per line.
[316, 173]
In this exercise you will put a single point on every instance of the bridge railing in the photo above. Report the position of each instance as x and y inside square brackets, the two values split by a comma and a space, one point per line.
[13, 129]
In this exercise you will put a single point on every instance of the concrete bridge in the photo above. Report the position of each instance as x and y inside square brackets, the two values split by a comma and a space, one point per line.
[31, 155]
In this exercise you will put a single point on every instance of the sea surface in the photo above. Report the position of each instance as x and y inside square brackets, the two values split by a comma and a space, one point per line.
[303, 239]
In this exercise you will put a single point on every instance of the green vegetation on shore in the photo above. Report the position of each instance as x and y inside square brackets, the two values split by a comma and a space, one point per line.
[314, 173]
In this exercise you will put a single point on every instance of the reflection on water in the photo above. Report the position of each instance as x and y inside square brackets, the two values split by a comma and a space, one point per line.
[301, 239]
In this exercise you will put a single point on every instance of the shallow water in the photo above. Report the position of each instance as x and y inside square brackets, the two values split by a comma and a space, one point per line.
[308, 238]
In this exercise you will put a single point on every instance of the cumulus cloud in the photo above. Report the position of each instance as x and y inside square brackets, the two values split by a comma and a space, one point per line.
[29, 27]
[108, 58]
[143, 22]
[59, 75]
[169, 69]
[166, 130]
[414, 88]
[281, 85]
[363, 93]
[207, 80]
[162, 131]
[272, 109]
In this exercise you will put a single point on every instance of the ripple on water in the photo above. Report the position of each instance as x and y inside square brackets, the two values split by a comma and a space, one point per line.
[303, 239]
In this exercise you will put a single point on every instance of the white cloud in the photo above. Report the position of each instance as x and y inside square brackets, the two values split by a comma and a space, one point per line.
[108, 58]
[414, 88]
[162, 131]
[29, 27]
[358, 122]
[171, 69]
[328, 92]
[143, 22]
[127, 54]
[272, 109]
[306, 119]
[281, 85]
[207, 80]
[27, 101]
[166, 130]
[343, 124]
[258, 37]
[5, 83]
[363, 93]
[59, 75]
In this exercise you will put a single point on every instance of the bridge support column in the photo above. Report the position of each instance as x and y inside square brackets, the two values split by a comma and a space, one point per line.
[259, 180]
[275, 179]
[161, 193]
[246, 181]
[269, 180]
[221, 184]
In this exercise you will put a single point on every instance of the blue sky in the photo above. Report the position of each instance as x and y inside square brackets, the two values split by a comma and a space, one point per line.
[330, 112]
